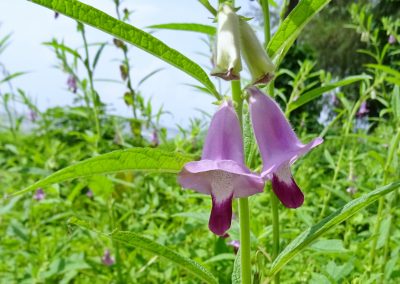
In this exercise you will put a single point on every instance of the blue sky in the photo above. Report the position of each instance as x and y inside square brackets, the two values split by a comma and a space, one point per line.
[31, 25]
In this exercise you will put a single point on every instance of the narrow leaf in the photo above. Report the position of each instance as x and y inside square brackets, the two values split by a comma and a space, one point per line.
[317, 92]
[136, 240]
[209, 7]
[190, 27]
[237, 272]
[291, 27]
[102, 21]
[135, 159]
[342, 214]
[385, 69]
[12, 76]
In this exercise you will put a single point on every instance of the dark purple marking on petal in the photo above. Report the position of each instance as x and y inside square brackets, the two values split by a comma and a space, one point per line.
[221, 216]
[286, 188]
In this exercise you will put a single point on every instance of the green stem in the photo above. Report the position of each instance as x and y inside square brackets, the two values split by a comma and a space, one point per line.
[379, 217]
[275, 230]
[92, 90]
[267, 25]
[244, 219]
[244, 215]
[346, 132]
[274, 200]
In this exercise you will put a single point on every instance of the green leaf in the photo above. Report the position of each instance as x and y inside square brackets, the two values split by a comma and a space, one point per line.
[135, 159]
[209, 7]
[385, 69]
[315, 93]
[221, 257]
[291, 27]
[104, 22]
[135, 240]
[12, 76]
[236, 274]
[328, 246]
[311, 234]
[190, 27]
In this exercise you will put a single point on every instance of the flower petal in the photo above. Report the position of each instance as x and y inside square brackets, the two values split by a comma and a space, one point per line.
[227, 58]
[286, 188]
[221, 214]
[277, 141]
[224, 137]
[260, 65]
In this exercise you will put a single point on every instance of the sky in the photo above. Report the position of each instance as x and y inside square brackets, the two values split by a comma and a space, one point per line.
[31, 25]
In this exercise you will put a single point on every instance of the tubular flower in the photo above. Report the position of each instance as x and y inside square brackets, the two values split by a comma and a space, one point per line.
[257, 60]
[227, 58]
[221, 171]
[279, 147]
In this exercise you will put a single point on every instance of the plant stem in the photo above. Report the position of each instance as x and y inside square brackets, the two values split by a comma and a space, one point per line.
[244, 216]
[275, 230]
[93, 94]
[379, 216]
[274, 200]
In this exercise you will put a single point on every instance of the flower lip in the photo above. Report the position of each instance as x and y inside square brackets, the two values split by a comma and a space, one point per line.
[198, 175]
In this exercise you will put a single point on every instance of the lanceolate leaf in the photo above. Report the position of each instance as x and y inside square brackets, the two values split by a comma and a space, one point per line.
[310, 235]
[190, 27]
[136, 240]
[291, 27]
[100, 20]
[315, 93]
[136, 159]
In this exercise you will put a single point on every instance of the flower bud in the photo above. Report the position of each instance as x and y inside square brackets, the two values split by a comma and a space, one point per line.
[260, 65]
[227, 57]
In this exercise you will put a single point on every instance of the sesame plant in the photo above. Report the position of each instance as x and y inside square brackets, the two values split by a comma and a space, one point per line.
[281, 217]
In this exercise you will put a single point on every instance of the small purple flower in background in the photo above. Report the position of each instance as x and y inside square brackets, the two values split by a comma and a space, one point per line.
[71, 83]
[392, 39]
[89, 193]
[56, 14]
[32, 115]
[154, 139]
[235, 244]
[221, 172]
[107, 259]
[39, 194]
[363, 110]
[279, 147]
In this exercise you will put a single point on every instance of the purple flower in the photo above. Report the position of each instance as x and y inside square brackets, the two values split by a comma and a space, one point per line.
[89, 193]
[32, 115]
[154, 139]
[392, 39]
[235, 244]
[71, 83]
[107, 259]
[279, 147]
[39, 194]
[221, 171]
[363, 110]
